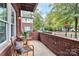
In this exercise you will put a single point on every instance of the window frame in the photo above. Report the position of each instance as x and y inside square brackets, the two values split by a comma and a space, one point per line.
[4, 21]
[28, 28]
[14, 21]
[8, 26]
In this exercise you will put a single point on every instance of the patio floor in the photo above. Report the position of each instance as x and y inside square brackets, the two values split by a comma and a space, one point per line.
[40, 49]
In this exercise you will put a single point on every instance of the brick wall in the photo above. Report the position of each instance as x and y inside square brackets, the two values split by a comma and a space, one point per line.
[34, 35]
[59, 45]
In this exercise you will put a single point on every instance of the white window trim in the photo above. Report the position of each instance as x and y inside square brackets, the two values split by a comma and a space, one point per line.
[8, 28]
[14, 24]
[4, 43]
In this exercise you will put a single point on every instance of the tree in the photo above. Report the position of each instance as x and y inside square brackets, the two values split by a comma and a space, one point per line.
[37, 23]
[62, 12]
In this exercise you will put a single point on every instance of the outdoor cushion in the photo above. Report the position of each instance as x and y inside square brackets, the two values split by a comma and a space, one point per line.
[19, 47]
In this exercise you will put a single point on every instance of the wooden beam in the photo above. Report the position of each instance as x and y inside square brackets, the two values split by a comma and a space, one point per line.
[28, 6]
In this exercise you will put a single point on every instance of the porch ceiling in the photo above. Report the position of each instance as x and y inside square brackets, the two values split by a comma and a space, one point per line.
[25, 6]
[28, 6]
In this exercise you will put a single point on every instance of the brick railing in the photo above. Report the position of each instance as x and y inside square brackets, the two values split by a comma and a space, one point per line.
[34, 35]
[60, 45]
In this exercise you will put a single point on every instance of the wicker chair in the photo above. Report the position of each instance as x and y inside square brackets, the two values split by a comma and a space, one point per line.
[21, 51]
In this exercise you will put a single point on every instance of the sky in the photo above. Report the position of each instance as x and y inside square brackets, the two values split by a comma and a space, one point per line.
[44, 8]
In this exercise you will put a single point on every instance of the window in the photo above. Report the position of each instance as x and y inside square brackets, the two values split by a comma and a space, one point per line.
[2, 32]
[26, 13]
[12, 31]
[12, 16]
[12, 21]
[27, 16]
[3, 13]
[27, 28]
[7, 23]
[3, 21]
[27, 19]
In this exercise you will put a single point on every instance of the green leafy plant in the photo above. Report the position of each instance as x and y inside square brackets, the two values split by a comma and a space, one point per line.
[25, 34]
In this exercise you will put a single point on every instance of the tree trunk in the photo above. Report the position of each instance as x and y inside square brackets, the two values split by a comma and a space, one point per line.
[76, 21]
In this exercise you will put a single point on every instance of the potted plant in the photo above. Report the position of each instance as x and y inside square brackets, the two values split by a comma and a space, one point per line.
[25, 34]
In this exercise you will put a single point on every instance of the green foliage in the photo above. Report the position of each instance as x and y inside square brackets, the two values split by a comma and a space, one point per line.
[37, 24]
[60, 13]
[25, 34]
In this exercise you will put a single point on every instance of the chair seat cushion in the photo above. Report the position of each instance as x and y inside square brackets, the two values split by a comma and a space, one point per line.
[18, 45]
[21, 49]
